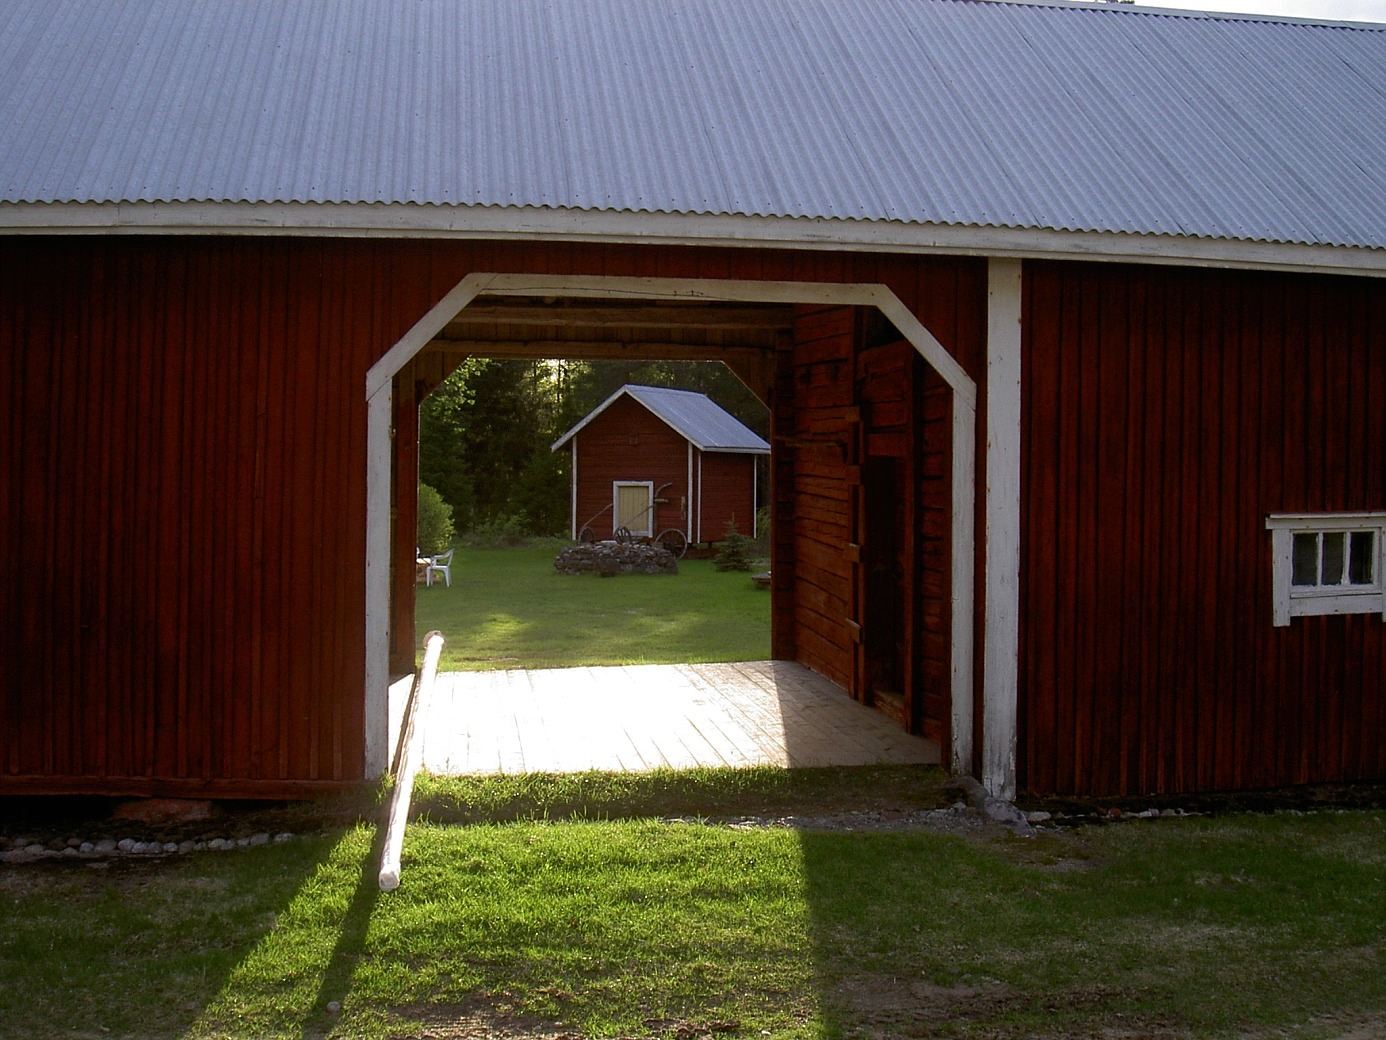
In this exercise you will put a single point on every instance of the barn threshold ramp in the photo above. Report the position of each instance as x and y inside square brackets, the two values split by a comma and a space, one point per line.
[645, 717]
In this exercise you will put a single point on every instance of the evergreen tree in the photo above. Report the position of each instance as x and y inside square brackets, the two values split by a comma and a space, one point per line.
[735, 552]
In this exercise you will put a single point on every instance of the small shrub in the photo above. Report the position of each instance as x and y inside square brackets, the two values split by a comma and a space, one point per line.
[503, 531]
[435, 522]
[735, 552]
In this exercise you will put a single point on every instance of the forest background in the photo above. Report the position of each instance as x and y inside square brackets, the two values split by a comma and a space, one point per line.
[485, 433]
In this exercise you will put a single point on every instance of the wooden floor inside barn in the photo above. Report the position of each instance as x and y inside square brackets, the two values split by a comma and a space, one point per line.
[640, 718]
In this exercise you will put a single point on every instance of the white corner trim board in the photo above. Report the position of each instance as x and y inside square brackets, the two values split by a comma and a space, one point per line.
[572, 493]
[963, 569]
[688, 501]
[379, 460]
[379, 408]
[1002, 625]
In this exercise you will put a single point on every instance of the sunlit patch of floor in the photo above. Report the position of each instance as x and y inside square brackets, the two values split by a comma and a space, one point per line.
[645, 717]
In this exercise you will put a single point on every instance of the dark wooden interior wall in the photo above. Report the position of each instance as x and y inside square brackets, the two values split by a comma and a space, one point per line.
[1167, 413]
[906, 413]
[811, 517]
[182, 487]
[816, 407]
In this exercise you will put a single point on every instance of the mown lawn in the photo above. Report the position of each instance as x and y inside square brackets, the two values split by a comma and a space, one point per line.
[573, 907]
[508, 608]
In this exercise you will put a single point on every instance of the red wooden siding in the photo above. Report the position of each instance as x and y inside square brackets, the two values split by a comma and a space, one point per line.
[182, 488]
[627, 442]
[725, 493]
[183, 582]
[1167, 413]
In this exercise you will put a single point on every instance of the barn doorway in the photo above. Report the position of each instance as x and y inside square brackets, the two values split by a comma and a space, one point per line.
[571, 456]
[676, 297]
[900, 519]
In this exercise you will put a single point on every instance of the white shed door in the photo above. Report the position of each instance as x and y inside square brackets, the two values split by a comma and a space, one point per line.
[633, 510]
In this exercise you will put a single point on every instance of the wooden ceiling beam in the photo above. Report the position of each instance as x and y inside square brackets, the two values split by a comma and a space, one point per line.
[627, 316]
[600, 350]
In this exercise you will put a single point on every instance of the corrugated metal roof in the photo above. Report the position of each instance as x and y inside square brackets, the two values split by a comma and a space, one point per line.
[693, 416]
[934, 112]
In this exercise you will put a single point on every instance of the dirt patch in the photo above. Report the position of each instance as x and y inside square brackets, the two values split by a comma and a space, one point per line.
[470, 1022]
[489, 1020]
[881, 1007]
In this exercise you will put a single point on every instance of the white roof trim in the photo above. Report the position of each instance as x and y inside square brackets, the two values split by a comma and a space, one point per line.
[404, 220]
[626, 391]
[587, 419]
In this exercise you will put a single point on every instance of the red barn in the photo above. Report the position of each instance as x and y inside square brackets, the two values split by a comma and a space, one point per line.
[660, 463]
[1076, 385]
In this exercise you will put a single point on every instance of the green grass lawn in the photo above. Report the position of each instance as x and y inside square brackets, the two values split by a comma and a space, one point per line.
[508, 608]
[569, 907]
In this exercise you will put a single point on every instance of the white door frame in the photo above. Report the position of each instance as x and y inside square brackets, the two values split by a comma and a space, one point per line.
[379, 383]
[648, 485]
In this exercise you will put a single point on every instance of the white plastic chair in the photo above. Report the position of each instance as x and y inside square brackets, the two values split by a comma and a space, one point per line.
[440, 564]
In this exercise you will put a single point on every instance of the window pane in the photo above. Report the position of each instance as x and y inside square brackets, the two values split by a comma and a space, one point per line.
[1361, 557]
[1306, 560]
[1334, 557]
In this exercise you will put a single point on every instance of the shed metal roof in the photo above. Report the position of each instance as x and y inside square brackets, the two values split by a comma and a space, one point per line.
[947, 113]
[693, 416]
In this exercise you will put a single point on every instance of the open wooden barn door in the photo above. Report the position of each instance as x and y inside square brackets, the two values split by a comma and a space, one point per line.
[898, 489]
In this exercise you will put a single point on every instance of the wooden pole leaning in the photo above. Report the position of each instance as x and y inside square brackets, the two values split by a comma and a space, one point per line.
[410, 755]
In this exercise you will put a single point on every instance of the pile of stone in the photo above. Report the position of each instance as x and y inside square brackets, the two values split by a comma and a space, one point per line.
[26, 850]
[142, 827]
[611, 558]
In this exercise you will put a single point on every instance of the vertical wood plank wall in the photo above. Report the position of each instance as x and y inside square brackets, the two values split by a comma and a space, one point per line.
[819, 399]
[815, 505]
[1166, 413]
[182, 487]
[728, 489]
[627, 442]
[182, 560]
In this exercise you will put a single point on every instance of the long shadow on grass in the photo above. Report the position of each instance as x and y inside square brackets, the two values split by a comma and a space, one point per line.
[876, 935]
[143, 947]
[351, 940]
[282, 984]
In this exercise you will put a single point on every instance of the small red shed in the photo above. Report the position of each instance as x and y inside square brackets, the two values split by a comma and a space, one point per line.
[653, 460]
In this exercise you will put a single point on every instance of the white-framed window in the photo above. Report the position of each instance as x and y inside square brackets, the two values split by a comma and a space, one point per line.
[1327, 563]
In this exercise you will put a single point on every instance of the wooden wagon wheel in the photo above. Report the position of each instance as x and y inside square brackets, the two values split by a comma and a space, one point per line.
[674, 540]
[587, 535]
[623, 535]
